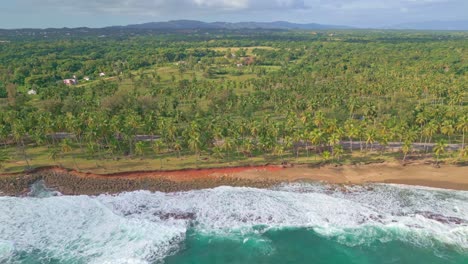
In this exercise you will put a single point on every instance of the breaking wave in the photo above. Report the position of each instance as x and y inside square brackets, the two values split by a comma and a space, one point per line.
[145, 227]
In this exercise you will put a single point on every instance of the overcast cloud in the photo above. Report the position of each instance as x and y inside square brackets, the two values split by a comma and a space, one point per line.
[96, 13]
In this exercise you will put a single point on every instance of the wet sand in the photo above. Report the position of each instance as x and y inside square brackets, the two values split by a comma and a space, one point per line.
[448, 176]
[75, 183]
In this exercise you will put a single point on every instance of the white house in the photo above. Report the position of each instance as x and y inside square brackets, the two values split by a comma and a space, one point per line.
[102, 74]
[86, 78]
[32, 92]
[70, 81]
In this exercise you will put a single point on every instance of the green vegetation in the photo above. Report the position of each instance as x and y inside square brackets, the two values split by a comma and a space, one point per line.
[228, 98]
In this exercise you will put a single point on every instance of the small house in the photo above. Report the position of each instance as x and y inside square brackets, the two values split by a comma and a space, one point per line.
[32, 92]
[70, 82]
[102, 74]
[86, 78]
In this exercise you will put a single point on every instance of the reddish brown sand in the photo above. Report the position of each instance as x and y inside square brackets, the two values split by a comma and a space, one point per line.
[176, 175]
[447, 176]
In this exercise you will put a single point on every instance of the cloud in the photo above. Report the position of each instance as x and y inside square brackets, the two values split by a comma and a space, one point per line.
[178, 7]
[367, 13]
[159, 6]
[235, 4]
[380, 4]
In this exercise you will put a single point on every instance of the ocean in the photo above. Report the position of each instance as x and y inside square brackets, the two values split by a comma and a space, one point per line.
[291, 223]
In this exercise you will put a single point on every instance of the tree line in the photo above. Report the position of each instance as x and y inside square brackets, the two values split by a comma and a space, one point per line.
[301, 96]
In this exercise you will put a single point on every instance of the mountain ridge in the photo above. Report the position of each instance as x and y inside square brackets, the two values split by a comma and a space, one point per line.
[195, 24]
[433, 25]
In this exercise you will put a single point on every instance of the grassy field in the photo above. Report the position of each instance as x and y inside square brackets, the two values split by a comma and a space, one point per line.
[102, 163]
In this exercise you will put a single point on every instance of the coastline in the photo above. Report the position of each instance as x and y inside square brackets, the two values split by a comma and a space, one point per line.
[70, 182]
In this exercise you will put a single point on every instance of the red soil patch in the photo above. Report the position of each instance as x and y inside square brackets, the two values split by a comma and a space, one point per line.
[174, 175]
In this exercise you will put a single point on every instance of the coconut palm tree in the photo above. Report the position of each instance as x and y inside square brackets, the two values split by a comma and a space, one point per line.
[333, 140]
[247, 147]
[406, 148]
[4, 157]
[316, 137]
[351, 131]
[228, 144]
[429, 130]
[19, 132]
[447, 128]
[139, 148]
[462, 127]
[278, 150]
[421, 121]
[338, 151]
[66, 147]
[319, 119]
[439, 149]
[370, 137]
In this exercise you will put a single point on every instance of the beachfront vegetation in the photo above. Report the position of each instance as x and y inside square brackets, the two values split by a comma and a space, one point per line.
[180, 100]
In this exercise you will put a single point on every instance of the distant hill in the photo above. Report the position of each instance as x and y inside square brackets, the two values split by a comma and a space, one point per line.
[192, 24]
[434, 25]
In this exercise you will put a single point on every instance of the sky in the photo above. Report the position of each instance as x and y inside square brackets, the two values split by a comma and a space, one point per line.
[100, 13]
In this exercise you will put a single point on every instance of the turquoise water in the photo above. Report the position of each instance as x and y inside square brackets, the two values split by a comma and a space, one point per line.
[296, 223]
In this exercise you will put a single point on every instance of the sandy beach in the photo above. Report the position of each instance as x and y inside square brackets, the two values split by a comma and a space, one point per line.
[75, 183]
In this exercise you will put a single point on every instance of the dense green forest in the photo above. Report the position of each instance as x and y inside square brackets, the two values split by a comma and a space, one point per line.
[232, 96]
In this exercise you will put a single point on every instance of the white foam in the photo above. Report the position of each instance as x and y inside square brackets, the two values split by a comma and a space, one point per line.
[6, 251]
[402, 212]
[142, 226]
[71, 228]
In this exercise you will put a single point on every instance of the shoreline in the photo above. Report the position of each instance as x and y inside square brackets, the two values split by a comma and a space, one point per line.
[70, 182]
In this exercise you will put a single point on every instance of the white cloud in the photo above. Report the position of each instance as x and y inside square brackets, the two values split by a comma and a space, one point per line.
[379, 4]
[144, 6]
[32, 13]
[236, 4]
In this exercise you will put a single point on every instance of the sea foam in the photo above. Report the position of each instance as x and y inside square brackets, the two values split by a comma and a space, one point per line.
[139, 227]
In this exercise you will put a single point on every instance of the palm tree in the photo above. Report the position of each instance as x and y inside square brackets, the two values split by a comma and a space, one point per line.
[383, 140]
[194, 144]
[370, 137]
[177, 146]
[319, 119]
[326, 155]
[54, 154]
[279, 151]
[421, 120]
[316, 137]
[463, 152]
[139, 148]
[333, 140]
[439, 149]
[406, 148]
[338, 151]
[131, 125]
[247, 147]
[288, 142]
[157, 146]
[462, 126]
[3, 158]
[217, 152]
[429, 130]
[66, 147]
[306, 117]
[296, 139]
[19, 132]
[351, 131]
[227, 146]
[447, 128]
